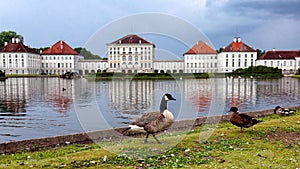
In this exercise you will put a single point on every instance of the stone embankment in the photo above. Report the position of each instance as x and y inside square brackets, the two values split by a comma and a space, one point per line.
[89, 137]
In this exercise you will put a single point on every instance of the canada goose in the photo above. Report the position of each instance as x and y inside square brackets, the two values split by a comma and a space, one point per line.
[283, 111]
[241, 120]
[154, 122]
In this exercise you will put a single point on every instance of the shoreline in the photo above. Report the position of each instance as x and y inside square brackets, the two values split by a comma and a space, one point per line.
[111, 134]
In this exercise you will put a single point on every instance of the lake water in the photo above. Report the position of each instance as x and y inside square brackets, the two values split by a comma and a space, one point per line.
[38, 107]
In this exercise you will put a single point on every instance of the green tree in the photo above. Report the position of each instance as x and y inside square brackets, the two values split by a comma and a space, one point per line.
[86, 53]
[260, 52]
[220, 50]
[6, 36]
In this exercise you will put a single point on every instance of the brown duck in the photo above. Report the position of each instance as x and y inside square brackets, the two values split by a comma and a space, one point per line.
[154, 122]
[242, 120]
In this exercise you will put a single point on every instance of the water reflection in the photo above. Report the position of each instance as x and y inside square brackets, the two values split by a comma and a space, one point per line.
[34, 107]
[37, 107]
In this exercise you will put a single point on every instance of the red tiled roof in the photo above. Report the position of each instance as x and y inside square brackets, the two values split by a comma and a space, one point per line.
[60, 48]
[201, 48]
[238, 46]
[18, 48]
[130, 39]
[280, 55]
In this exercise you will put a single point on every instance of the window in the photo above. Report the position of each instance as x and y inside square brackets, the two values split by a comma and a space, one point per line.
[245, 65]
[187, 65]
[232, 63]
[239, 64]
[271, 63]
[291, 63]
[284, 63]
[232, 55]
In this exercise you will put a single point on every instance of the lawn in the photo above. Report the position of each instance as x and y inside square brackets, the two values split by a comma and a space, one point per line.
[274, 143]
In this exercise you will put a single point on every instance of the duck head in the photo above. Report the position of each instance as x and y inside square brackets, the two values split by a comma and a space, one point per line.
[233, 109]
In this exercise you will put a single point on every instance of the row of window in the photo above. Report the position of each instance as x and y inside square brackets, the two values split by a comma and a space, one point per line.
[57, 65]
[9, 56]
[201, 65]
[238, 63]
[130, 58]
[130, 64]
[56, 57]
[239, 55]
[197, 57]
[281, 63]
[129, 49]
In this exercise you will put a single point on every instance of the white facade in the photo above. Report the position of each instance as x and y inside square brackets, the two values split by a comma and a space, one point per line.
[92, 66]
[130, 54]
[60, 64]
[168, 66]
[236, 55]
[287, 61]
[200, 63]
[230, 61]
[16, 58]
[59, 59]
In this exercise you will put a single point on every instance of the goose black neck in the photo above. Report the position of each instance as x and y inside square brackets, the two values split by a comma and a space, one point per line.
[163, 105]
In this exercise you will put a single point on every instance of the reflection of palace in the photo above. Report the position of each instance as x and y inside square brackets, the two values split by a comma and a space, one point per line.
[15, 93]
[131, 96]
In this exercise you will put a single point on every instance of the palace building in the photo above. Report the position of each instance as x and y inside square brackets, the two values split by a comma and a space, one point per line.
[200, 58]
[17, 58]
[59, 59]
[288, 61]
[236, 55]
[131, 54]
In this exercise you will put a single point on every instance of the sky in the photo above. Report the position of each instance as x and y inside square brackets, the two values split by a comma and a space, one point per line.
[262, 24]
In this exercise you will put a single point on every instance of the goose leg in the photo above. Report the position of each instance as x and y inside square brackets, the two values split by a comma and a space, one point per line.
[241, 129]
[146, 139]
[157, 139]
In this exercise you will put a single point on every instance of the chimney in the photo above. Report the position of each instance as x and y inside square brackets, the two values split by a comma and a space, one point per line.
[239, 39]
[17, 40]
[140, 41]
[234, 39]
[12, 40]
[274, 50]
[61, 45]
[120, 41]
[5, 43]
[41, 51]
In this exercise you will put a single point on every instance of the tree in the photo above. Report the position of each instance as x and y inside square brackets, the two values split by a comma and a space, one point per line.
[86, 53]
[260, 52]
[7, 37]
[220, 50]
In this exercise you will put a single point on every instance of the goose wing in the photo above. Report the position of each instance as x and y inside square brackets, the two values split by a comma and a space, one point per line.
[148, 117]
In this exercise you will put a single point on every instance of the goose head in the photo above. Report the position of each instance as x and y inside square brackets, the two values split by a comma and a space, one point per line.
[163, 104]
[234, 109]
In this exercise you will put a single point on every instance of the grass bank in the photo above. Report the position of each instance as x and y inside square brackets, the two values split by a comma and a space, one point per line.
[296, 76]
[274, 143]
